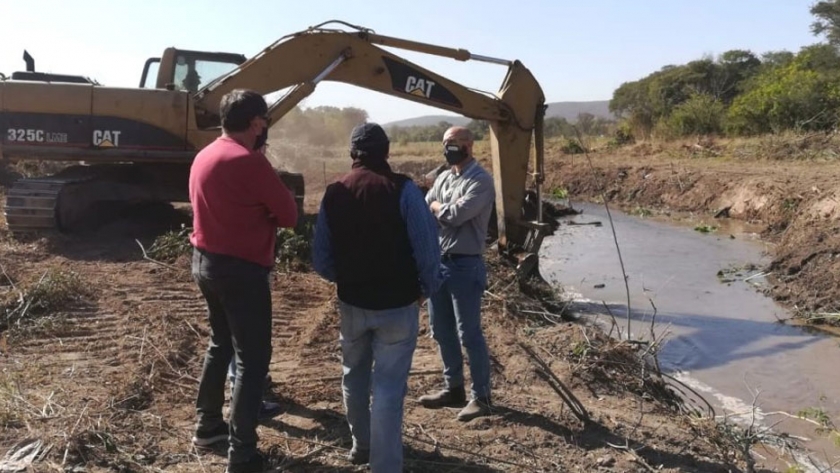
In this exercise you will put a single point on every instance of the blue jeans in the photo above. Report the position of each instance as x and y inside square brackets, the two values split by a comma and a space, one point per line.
[455, 319]
[377, 346]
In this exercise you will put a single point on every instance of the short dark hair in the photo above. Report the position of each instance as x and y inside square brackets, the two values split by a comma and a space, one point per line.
[239, 106]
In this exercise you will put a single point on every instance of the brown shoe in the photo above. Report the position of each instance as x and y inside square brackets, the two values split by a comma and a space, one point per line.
[476, 408]
[450, 397]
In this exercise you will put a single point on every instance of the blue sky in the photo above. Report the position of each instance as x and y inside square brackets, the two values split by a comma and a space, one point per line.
[577, 49]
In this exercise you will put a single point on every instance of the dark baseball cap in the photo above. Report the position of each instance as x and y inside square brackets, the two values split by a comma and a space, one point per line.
[368, 137]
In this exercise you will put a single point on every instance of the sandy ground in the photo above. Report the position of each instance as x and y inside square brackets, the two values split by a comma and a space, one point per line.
[109, 384]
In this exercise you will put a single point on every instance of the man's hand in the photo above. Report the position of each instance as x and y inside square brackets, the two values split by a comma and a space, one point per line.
[435, 207]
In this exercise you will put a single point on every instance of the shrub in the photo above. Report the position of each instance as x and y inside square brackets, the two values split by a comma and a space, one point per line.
[623, 135]
[171, 245]
[572, 146]
[701, 114]
[293, 247]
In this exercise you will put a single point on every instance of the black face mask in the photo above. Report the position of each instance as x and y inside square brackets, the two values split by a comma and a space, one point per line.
[261, 139]
[454, 154]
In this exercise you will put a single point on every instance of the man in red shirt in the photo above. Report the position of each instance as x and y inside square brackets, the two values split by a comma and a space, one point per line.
[238, 202]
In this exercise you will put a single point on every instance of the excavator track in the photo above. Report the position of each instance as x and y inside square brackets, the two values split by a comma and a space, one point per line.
[32, 203]
[85, 197]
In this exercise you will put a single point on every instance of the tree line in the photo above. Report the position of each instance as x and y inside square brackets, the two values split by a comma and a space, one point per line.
[331, 126]
[587, 124]
[740, 92]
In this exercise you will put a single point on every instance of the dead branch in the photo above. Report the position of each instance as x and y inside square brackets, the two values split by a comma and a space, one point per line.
[545, 372]
[436, 442]
[614, 321]
[633, 455]
[289, 462]
[653, 340]
[614, 235]
[160, 263]
[198, 458]
[499, 298]
[12, 283]
[193, 330]
[711, 410]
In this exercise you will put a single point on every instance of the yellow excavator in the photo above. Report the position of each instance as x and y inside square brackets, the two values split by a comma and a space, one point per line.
[136, 144]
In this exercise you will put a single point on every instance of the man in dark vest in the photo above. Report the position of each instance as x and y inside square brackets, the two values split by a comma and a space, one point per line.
[377, 240]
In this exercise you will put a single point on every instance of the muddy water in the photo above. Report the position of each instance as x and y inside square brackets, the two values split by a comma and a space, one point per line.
[722, 334]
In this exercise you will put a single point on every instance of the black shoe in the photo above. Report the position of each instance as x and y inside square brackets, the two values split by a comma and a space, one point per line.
[256, 464]
[206, 438]
[449, 397]
[359, 456]
[269, 410]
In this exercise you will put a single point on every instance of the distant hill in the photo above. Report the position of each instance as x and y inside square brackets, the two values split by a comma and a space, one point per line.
[570, 110]
[428, 120]
[567, 110]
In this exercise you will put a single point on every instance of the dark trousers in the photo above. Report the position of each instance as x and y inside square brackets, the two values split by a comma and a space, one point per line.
[238, 298]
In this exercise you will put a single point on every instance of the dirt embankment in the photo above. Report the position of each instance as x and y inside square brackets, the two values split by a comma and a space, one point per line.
[795, 203]
[108, 380]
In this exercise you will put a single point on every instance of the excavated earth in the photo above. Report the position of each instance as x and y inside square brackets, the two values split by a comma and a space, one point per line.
[110, 383]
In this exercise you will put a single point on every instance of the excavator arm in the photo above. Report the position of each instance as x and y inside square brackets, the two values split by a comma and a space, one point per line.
[298, 62]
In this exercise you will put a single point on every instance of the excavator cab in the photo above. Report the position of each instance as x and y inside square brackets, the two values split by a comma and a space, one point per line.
[189, 71]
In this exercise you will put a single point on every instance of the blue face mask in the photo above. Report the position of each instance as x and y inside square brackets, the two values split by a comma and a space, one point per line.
[454, 154]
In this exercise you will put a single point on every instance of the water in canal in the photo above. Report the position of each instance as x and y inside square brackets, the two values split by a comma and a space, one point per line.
[723, 335]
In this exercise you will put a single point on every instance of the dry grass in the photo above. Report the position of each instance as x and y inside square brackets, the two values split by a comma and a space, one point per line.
[786, 146]
[117, 425]
[38, 306]
[789, 145]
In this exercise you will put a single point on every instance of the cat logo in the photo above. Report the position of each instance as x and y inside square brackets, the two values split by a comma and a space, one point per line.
[407, 80]
[419, 87]
[106, 138]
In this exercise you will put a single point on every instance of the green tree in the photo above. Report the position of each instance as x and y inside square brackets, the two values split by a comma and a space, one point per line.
[734, 69]
[586, 123]
[790, 97]
[776, 59]
[828, 20]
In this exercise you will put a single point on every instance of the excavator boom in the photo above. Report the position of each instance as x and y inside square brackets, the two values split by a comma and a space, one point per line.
[515, 113]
